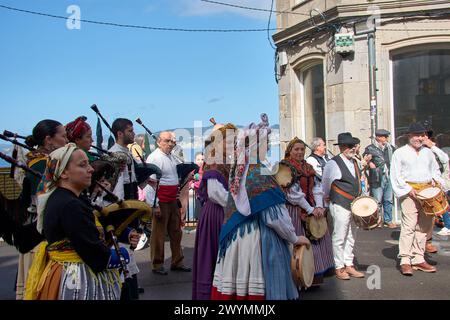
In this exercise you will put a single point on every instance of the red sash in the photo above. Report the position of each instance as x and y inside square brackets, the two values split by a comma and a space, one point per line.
[167, 193]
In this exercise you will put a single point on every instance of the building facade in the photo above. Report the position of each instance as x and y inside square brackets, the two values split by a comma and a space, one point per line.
[323, 92]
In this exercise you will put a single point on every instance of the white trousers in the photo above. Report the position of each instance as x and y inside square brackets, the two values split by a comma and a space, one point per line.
[342, 237]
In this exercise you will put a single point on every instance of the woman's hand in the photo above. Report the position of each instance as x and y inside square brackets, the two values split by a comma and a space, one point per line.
[303, 241]
[318, 213]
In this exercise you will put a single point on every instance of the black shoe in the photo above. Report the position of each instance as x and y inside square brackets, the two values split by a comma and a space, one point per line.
[141, 290]
[182, 268]
[160, 271]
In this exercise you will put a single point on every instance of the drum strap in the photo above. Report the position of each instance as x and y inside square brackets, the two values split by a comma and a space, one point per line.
[342, 192]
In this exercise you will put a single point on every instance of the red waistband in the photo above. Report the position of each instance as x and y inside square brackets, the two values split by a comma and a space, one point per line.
[167, 193]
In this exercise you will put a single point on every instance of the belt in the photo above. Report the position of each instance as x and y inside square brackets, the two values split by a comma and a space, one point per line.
[419, 186]
[343, 193]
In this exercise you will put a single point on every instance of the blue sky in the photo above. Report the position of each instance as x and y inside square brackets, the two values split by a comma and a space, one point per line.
[169, 79]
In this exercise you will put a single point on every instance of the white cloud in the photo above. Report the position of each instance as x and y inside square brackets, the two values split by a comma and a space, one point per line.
[201, 8]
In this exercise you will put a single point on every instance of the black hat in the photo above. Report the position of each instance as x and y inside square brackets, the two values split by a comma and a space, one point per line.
[382, 133]
[416, 127]
[346, 138]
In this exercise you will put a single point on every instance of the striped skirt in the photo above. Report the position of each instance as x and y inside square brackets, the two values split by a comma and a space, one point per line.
[322, 249]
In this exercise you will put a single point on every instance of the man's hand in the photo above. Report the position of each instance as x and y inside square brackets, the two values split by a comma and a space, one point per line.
[303, 241]
[413, 193]
[367, 157]
[428, 143]
[372, 165]
[157, 212]
[133, 238]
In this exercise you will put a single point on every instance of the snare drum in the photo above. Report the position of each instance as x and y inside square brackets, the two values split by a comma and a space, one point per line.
[286, 174]
[365, 212]
[302, 266]
[433, 201]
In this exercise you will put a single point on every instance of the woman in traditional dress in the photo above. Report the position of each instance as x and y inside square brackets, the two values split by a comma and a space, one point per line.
[47, 136]
[304, 198]
[254, 261]
[213, 195]
[74, 263]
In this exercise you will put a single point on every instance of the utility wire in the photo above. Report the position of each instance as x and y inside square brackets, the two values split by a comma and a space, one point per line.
[252, 8]
[130, 25]
[268, 28]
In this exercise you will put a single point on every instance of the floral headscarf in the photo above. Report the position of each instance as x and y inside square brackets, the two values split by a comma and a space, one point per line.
[59, 159]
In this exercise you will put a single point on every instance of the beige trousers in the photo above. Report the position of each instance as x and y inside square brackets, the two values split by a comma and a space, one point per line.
[414, 229]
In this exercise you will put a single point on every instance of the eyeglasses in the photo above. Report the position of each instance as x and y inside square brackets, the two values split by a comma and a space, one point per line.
[169, 140]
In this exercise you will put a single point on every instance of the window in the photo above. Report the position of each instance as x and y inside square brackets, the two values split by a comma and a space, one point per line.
[421, 87]
[313, 102]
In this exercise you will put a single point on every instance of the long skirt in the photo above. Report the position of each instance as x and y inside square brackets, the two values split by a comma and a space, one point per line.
[322, 248]
[206, 249]
[256, 264]
[25, 262]
[76, 281]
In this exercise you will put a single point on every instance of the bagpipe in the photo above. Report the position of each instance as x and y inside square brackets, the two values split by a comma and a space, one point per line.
[15, 227]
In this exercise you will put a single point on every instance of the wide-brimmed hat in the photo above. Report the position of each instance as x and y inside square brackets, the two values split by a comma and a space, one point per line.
[346, 138]
[416, 127]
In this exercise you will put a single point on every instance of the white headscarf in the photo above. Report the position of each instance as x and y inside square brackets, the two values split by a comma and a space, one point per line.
[57, 163]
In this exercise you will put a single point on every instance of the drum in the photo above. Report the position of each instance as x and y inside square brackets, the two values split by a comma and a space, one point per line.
[121, 215]
[286, 174]
[316, 228]
[365, 212]
[433, 201]
[302, 266]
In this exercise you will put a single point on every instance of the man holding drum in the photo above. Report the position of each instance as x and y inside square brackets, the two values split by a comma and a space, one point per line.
[414, 168]
[341, 185]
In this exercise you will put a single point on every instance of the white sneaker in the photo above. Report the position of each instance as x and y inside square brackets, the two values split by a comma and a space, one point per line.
[444, 232]
[142, 242]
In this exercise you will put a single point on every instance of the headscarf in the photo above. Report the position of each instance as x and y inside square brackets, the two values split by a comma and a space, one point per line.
[77, 129]
[256, 134]
[59, 159]
[306, 172]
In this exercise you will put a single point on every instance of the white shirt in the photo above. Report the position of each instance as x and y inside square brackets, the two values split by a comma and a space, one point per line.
[318, 188]
[168, 166]
[316, 165]
[150, 193]
[332, 172]
[442, 156]
[283, 225]
[297, 197]
[409, 166]
[217, 193]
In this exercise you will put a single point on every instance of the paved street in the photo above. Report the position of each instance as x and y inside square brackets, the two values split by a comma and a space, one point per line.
[378, 247]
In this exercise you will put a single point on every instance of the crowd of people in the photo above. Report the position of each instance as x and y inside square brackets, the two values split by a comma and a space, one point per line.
[247, 222]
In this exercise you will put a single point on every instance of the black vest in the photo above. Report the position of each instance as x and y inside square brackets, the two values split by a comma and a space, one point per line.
[348, 188]
[322, 164]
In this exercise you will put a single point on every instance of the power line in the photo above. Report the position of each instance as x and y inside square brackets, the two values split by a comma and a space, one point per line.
[130, 25]
[268, 27]
[252, 8]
